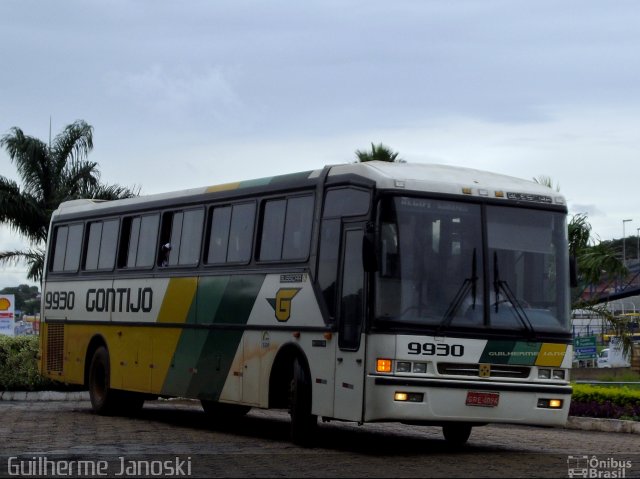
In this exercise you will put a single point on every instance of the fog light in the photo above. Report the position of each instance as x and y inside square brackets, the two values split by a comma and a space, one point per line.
[419, 367]
[550, 403]
[558, 374]
[383, 365]
[408, 397]
[401, 396]
[555, 403]
[403, 367]
[544, 373]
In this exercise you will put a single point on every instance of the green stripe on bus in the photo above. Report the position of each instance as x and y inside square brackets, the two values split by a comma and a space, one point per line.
[510, 352]
[203, 357]
[221, 346]
[275, 180]
[291, 177]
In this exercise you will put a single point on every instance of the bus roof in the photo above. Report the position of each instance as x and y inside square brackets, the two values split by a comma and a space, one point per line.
[450, 179]
[401, 176]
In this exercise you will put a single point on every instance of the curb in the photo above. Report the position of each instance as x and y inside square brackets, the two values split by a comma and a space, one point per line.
[44, 396]
[603, 425]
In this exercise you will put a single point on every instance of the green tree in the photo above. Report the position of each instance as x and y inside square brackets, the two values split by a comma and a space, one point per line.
[378, 152]
[27, 297]
[50, 174]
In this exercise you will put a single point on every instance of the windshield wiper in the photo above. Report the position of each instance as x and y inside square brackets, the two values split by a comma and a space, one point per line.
[469, 284]
[519, 312]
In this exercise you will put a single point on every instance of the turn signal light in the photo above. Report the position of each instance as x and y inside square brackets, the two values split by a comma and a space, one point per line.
[383, 365]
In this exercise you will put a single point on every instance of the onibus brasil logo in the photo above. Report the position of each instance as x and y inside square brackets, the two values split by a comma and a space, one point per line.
[593, 466]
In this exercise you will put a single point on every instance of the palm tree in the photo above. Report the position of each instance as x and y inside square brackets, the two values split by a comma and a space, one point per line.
[50, 175]
[378, 152]
[547, 181]
[595, 260]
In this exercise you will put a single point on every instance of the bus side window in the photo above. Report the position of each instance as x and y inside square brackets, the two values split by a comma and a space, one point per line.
[231, 234]
[297, 230]
[286, 229]
[220, 219]
[138, 241]
[328, 263]
[101, 245]
[352, 297]
[241, 233]
[68, 246]
[180, 238]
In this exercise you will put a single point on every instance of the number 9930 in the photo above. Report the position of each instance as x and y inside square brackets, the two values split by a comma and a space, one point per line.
[432, 349]
[59, 300]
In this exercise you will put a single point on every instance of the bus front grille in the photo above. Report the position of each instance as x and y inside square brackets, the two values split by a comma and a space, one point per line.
[474, 369]
[55, 347]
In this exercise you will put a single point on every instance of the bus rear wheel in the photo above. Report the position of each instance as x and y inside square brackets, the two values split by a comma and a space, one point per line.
[304, 425]
[456, 434]
[105, 400]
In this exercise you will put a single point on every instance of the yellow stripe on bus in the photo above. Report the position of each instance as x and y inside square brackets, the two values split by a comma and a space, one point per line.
[551, 354]
[175, 308]
[225, 187]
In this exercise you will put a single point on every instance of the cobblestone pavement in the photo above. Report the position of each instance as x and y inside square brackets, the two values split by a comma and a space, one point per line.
[258, 445]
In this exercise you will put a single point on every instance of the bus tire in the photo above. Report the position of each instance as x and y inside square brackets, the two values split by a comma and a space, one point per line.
[303, 424]
[104, 400]
[456, 434]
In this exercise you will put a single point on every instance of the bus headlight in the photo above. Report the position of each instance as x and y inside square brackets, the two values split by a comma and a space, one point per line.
[403, 367]
[558, 374]
[544, 373]
[420, 368]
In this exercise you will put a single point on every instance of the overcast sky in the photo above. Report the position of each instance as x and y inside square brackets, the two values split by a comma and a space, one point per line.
[187, 94]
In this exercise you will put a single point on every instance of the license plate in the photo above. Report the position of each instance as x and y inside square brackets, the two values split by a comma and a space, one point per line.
[482, 399]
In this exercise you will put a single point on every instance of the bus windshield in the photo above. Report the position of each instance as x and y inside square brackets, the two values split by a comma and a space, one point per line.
[436, 271]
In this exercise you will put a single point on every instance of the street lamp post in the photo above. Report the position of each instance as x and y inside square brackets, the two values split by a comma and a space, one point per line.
[624, 237]
[638, 245]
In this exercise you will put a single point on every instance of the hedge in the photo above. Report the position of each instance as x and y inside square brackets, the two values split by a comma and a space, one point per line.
[19, 365]
[605, 402]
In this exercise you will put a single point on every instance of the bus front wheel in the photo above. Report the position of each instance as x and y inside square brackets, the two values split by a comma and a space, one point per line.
[456, 434]
[303, 423]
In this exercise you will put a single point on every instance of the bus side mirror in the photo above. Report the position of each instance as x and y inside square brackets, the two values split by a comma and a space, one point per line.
[573, 272]
[369, 257]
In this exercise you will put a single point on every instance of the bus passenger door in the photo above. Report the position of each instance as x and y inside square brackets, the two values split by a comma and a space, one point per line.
[349, 380]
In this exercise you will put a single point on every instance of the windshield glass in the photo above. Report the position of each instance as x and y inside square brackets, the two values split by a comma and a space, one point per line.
[432, 267]
[529, 271]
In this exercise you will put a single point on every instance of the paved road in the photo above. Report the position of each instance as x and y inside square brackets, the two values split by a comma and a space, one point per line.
[258, 446]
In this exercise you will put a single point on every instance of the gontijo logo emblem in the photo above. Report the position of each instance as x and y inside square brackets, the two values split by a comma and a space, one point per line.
[281, 304]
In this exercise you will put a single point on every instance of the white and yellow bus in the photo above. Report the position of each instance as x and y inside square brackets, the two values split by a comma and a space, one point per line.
[364, 292]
